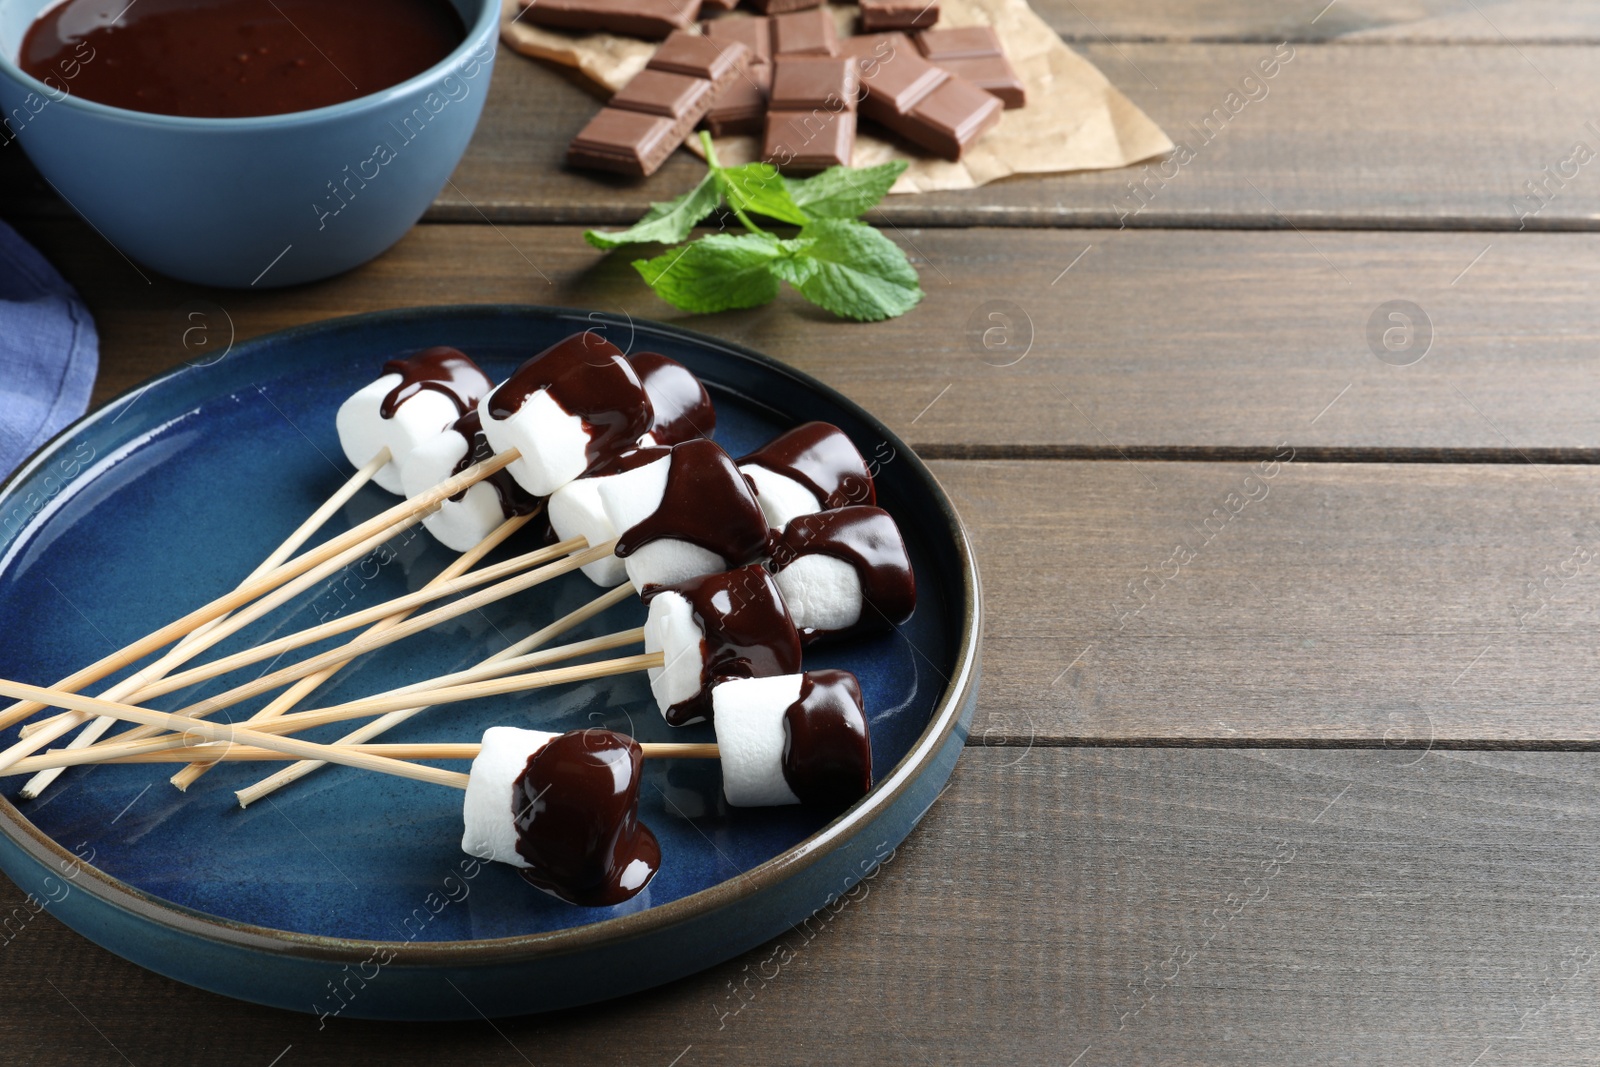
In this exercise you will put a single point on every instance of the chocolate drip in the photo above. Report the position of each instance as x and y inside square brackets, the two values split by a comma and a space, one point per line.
[868, 540]
[820, 457]
[827, 751]
[514, 500]
[576, 807]
[682, 407]
[444, 370]
[707, 503]
[589, 377]
[747, 632]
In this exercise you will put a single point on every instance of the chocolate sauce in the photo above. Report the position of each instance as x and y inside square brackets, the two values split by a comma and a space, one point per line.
[236, 58]
[514, 500]
[444, 370]
[589, 377]
[868, 540]
[748, 632]
[682, 407]
[820, 457]
[707, 503]
[576, 807]
[827, 751]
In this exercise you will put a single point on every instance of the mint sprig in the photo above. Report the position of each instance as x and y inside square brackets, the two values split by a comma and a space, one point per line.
[836, 261]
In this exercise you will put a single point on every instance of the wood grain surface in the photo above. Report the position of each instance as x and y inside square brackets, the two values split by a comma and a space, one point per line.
[1062, 906]
[1193, 343]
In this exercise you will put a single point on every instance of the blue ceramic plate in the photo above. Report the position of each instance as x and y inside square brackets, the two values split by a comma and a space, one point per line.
[347, 893]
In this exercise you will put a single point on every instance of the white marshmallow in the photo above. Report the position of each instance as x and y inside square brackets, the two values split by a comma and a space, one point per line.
[780, 496]
[668, 561]
[671, 629]
[633, 496]
[458, 524]
[363, 430]
[821, 592]
[575, 510]
[748, 716]
[552, 443]
[491, 828]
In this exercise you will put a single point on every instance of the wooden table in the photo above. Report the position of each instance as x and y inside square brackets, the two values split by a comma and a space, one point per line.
[1285, 747]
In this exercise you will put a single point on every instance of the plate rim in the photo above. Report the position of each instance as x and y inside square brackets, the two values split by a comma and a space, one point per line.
[768, 875]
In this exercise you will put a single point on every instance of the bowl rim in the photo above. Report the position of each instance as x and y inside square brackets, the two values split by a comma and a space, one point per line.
[485, 26]
[944, 722]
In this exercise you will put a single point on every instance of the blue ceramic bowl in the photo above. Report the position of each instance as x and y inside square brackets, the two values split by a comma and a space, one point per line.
[267, 201]
[347, 893]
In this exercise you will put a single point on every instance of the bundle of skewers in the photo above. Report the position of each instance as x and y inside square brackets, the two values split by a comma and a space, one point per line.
[604, 464]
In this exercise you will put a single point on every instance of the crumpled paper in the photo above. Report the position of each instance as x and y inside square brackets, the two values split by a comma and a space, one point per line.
[1074, 119]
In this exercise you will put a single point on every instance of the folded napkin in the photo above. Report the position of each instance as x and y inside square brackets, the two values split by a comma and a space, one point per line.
[48, 351]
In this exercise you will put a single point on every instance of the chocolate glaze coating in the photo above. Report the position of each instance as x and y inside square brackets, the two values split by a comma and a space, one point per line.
[587, 376]
[576, 807]
[682, 407]
[822, 458]
[868, 540]
[707, 503]
[442, 369]
[748, 632]
[514, 500]
[827, 751]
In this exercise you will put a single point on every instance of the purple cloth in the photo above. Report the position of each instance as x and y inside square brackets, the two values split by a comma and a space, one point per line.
[48, 351]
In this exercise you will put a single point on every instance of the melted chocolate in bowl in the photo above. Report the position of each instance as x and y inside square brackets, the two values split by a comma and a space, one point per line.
[237, 58]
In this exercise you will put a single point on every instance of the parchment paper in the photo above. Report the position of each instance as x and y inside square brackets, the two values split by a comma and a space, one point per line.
[1074, 120]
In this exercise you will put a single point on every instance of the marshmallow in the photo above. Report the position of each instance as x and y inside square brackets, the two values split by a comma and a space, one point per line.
[732, 624]
[780, 496]
[575, 510]
[633, 495]
[822, 593]
[844, 573]
[459, 524]
[491, 830]
[567, 411]
[818, 457]
[682, 409]
[414, 401]
[748, 715]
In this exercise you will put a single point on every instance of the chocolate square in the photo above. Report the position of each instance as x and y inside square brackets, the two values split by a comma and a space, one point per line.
[805, 33]
[658, 92]
[627, 142]
[809, 140]
[992, 74]
[754, 33]
[959, 42]
[802, 83]
[951, 117]
[894, 76]
[698, 57]
[741, 107]
[898, 14]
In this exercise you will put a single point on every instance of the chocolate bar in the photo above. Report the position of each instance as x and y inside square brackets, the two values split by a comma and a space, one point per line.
[898, 14]
[650, 116]
[974, 53]
[925, 104]
[650, 19]
[805, 33]
[812, 124]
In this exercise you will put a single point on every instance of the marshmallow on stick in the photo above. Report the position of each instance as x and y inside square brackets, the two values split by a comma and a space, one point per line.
[793, 739]
[681, 512]
[718, 626]
[844, 573]
[465, 519]
[813, 467]
[567, 411]
[413, 401]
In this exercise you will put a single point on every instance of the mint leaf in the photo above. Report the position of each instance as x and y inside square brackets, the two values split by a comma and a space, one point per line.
[665, 223]
[843, 192]
[717, 272]
[758, 187]
[852, 270]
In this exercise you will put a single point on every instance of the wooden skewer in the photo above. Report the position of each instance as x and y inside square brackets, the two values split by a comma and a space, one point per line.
[508, 659]
[223, 752]
[308, 685]
[42, 734]
[406, 512]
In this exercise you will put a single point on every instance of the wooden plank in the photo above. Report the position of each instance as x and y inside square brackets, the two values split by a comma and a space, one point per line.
[1285, 602]
[1322, 144]
[1085, 907]
[1165, 343]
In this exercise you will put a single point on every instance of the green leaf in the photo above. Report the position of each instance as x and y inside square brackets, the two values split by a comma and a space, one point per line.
[665, 223]
[844, 192]
[852, 270]
[758, 187]
[717, 272]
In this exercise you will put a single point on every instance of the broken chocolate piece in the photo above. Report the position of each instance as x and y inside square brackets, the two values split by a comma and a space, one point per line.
[657, 92]
[626, 142]
[742, 106]
[754, 33]
[809, 140]
[805, 33]
[698, 57]
[778, 7]
[974, 53]
[803, 83]
[898, 14]
[650, 19]
[938, 111]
